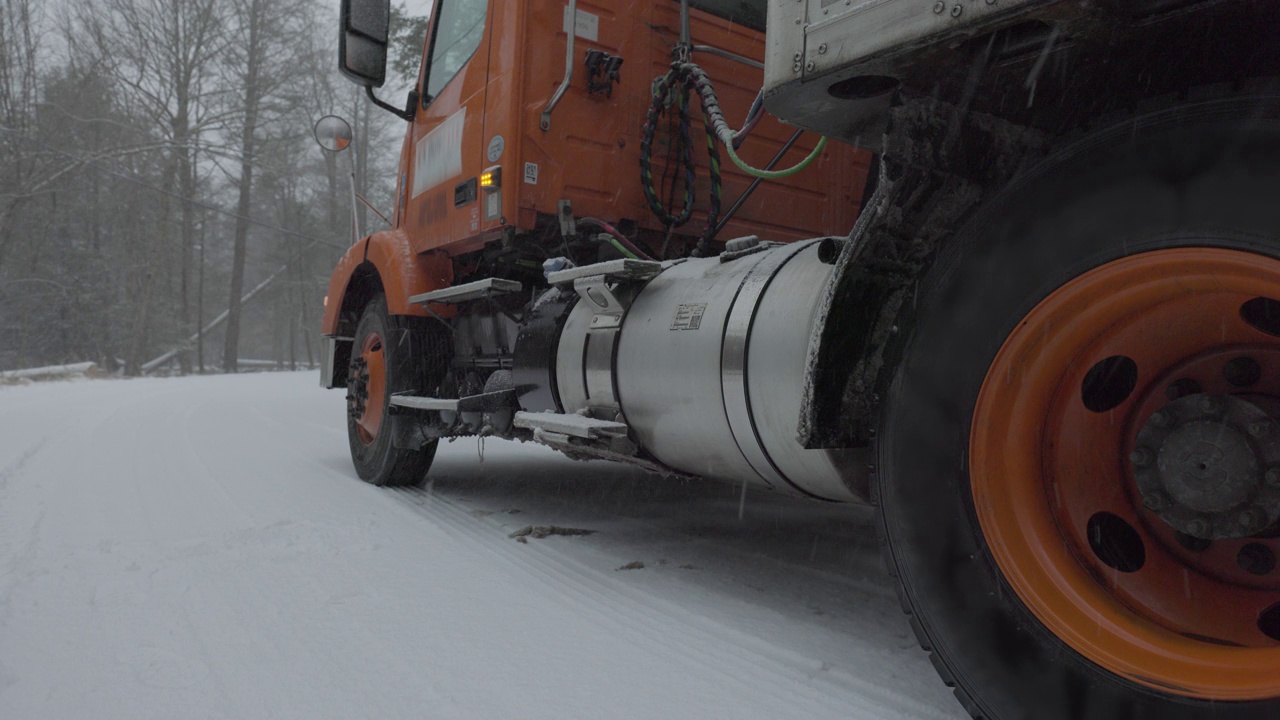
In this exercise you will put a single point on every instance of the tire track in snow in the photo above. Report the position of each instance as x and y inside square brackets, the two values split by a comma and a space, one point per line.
[663, 616]
[806, 684]
[16, 568]
[12, 547]
[10, 471]
[656, 628]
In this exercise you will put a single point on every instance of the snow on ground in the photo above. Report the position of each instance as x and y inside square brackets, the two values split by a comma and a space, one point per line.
[200, 548]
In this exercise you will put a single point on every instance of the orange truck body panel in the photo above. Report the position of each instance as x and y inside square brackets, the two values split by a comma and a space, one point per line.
[403, 274]
[591, 153]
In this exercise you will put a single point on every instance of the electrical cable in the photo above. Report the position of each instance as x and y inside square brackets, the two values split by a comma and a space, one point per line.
[682, 78]
[753, 118]
[681, 84]
[685, 160]
[676, 146]
[619, 241]
[698, 79]
[618, 246]
[777, 174]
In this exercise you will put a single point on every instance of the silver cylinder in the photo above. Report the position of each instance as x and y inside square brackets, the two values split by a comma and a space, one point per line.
[707, 368]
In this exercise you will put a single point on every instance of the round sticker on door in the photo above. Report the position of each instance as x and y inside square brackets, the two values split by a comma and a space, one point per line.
[496, 146]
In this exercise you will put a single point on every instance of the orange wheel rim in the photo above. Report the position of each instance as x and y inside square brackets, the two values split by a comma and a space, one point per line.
[374, 388]
[1058, 473]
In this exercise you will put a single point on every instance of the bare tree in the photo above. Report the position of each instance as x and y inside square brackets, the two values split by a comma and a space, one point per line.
[19, 52]
[152, 130]
[163, 54]
[268, 45]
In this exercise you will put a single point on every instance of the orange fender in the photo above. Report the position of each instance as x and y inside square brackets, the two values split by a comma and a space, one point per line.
[387, 258]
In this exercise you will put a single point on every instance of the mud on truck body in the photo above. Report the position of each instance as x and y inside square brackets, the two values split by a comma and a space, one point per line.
[1025, 301]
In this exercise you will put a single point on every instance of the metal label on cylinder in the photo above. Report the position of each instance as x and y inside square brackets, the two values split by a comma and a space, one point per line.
[688, 316]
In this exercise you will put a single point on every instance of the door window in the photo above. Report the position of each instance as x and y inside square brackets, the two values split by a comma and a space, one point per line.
[743, 12]
[457, 35]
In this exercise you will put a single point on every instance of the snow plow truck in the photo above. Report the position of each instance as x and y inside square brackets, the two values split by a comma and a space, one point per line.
[1007, 270]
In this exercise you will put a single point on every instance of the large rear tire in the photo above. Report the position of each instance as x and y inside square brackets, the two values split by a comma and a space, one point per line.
[1052, 329]
[373, 375]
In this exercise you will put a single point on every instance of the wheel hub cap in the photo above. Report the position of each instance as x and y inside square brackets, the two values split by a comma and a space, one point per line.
[1200, 463]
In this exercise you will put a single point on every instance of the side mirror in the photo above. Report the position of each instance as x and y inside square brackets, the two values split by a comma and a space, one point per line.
[362, 41]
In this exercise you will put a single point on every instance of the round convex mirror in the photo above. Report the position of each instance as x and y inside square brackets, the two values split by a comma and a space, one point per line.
[333, 133]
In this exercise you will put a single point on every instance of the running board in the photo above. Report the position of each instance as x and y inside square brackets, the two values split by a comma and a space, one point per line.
[484, 402]
[478, 290]
[425, 403]
[612, 270]
[579, 426]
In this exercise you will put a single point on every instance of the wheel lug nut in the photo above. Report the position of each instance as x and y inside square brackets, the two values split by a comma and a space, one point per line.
[1260, 428]
[1199, 527]
[1160, 418]
[1142, 457]
[1156, 500]
[1252, 519]
[1210, 404]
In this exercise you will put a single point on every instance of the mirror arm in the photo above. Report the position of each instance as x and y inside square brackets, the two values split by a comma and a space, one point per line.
[406, 115]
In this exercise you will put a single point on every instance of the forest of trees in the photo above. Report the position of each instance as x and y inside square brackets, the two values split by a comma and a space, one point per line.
[157, 164]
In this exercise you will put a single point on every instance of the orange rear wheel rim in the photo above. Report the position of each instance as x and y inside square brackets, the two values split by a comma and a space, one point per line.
[1045, 469]
[374, 378]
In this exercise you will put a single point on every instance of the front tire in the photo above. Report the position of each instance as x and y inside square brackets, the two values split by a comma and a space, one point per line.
[1001, 470]
[374, 373]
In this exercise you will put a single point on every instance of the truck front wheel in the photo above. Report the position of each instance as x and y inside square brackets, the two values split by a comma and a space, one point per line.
[373, 375]
[1079, 473]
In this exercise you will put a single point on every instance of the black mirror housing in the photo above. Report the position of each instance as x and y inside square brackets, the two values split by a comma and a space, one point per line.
[362, 41]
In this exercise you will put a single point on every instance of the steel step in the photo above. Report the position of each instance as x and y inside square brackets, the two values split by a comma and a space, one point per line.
[504, 399]
[418, 402]
[488, 287]
[613, 270]
[579, 426]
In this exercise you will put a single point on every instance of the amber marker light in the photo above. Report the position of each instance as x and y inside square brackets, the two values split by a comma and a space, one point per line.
[491, 178]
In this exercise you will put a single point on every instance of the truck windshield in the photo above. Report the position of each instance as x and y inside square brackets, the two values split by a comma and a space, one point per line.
[750, 13]
[457, 36]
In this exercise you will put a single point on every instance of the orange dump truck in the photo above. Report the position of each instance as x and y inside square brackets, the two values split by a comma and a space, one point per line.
[1007, 269]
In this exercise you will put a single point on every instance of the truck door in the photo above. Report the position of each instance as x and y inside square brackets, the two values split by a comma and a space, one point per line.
[440, 197]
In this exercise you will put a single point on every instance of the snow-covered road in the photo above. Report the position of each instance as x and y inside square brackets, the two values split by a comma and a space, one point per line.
[201, 548]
